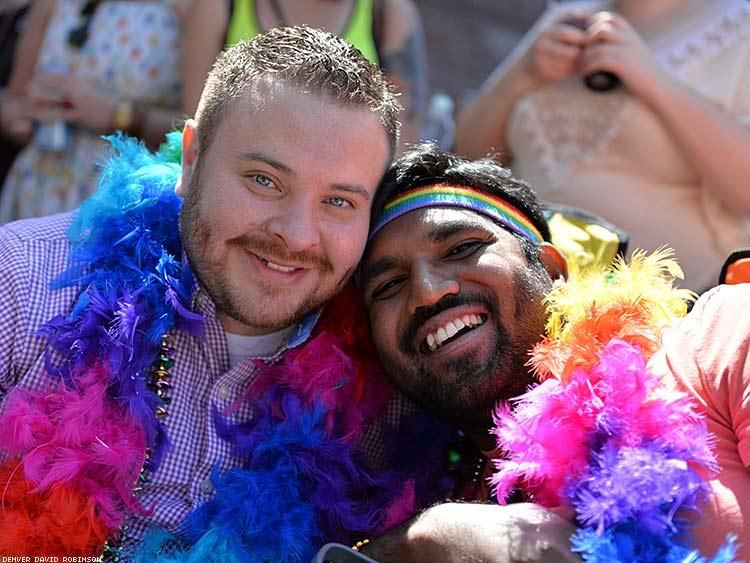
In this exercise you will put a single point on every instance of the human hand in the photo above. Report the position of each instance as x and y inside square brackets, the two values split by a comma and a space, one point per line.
[557, 52]
[613, 45]
[61, 96]
[454, 532]
[16, 118]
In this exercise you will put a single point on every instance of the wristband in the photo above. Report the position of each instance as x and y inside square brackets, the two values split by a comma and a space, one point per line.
[124, 114]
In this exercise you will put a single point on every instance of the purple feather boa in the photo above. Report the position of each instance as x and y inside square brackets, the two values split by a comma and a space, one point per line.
[302, 482]
[620, 450]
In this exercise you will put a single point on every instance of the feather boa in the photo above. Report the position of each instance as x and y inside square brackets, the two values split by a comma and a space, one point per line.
[76, 447]
[599, 434]
[301, 483]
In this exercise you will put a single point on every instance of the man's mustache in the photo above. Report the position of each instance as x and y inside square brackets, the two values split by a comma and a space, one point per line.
[274, 251]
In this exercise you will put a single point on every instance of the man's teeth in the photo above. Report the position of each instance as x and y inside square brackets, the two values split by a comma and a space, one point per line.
[278, 267]
[450, 329]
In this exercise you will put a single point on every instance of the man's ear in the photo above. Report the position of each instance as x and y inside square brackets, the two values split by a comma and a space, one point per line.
[189, 156]
[553, 261]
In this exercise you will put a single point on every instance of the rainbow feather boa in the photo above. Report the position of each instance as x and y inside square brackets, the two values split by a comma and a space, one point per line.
[600, 434]
[75, 448]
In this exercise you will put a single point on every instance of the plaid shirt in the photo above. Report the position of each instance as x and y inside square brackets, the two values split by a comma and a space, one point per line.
[32, 253]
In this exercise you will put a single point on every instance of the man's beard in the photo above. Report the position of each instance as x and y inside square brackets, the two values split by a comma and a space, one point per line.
[262, 311]
[468, 387]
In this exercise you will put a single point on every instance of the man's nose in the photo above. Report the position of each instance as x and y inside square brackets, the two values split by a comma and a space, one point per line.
[428, 284]
[297, 226]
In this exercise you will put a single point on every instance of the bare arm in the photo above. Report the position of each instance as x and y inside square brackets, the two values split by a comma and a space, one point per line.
[97, 110]
[154, 123]
[707, 356]
[49, 95]
[716, 143]
[480, 128]
[550, 51]
[15, 119]
[457, 532]
[203, 40]
[404, 61]
[29, 45]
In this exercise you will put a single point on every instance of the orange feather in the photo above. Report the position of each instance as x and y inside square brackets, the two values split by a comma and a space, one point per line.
[58, 521]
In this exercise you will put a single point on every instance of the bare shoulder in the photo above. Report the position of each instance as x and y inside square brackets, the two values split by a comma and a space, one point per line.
[204, 15]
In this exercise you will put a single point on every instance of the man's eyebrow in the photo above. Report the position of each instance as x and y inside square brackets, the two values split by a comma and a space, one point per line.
[446, 229]
[272, 162]
[437, 234]
[372, 270]
[354, 189]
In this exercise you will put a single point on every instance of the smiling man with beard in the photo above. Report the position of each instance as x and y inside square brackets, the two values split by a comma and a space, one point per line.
[456, 278]
[456, 306]
[190, 380]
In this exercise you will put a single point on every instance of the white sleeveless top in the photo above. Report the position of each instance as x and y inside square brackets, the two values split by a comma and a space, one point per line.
[610, 154]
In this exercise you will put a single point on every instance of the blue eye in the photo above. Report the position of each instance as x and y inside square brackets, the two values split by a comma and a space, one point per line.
[264, 181]
[339, 202]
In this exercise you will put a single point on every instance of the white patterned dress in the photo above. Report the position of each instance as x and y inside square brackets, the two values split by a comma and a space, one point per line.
[133, 51]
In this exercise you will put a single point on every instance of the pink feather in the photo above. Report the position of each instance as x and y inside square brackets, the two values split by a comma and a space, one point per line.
[400, 509]
[78, 438]
[547, 434]
[322, 373]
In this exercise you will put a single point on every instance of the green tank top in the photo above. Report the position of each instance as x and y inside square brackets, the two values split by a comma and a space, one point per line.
[243, 24]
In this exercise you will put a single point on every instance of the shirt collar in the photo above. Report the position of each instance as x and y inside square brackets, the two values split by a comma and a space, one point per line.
[303, 330]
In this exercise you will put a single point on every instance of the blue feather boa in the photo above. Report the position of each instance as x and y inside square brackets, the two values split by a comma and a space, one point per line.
[127, 253]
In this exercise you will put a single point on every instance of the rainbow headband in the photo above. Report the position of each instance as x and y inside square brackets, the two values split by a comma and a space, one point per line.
[445, 195]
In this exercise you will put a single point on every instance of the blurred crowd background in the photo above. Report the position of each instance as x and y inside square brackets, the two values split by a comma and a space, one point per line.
[464, 40]
[467, 38]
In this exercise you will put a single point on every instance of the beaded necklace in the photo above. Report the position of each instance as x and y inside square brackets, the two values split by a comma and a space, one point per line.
[160, 382]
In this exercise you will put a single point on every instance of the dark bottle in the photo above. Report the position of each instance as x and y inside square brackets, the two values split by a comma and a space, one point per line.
[602, 81]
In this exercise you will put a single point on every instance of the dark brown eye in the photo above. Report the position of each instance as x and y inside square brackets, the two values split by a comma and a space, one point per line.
[387, 289]
[465, 249]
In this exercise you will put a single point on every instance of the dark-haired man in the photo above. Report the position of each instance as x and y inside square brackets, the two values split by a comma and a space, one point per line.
[454, 276]
[454, 307]
[147, 369]
[437, 333]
